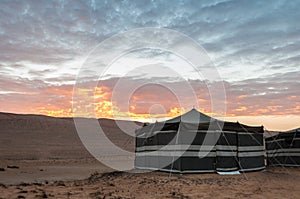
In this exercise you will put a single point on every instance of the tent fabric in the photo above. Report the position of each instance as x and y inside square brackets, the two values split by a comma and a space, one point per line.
[185, 146]
[283, 149]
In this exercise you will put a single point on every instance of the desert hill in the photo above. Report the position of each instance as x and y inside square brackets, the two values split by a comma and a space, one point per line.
[49, 148]
[31, 137]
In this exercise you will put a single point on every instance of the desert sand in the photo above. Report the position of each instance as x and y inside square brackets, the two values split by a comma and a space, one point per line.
[272, 183]
[43, 157]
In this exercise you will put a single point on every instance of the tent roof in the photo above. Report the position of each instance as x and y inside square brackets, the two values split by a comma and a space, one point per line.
[286, 134]
[193, 116]
[203, 121]
[294, 130]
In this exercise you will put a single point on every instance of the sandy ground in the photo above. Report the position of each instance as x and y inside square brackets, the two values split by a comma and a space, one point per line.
[40, 171]
[272, 183]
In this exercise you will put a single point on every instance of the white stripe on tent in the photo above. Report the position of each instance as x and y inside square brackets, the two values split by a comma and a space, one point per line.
[275, 140]
[226, 153]
[215, 131]
[202, 171]
[251, 154]
[253, 169]
[283, 150]
[226, 169]
[187, 147]
[207, 131]
[226, 147]
[175, 147]
[174, 170]
[250, 148]
[199, 147]
[247, 133]
[152, 133]
[284, 154]
[177, 153]
[228, 172]
[281, 139]
[168, 131]
[289, 165]
[200, 154]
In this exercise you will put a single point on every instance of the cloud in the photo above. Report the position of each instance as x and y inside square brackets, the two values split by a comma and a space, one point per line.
[259, 33]
[272, 95]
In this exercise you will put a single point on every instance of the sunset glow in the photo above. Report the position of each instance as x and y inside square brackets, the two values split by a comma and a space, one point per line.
[273, 117]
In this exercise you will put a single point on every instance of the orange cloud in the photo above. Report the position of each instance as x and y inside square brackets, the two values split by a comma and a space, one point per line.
[151, 101]
[241, 108]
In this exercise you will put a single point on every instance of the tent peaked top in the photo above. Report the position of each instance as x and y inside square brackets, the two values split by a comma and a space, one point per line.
[192, 116]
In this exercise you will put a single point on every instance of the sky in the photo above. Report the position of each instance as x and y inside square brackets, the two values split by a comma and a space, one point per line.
[254, 45]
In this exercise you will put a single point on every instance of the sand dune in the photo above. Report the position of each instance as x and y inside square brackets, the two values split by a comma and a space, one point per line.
[48, 148]
[34, 137]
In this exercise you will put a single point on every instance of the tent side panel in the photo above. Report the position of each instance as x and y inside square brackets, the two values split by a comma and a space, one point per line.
[197, 164]
[139, 143]
[226, 151]
[251, 151]
[284, 149]
[273, 145]
[150, 151]
[199, 148]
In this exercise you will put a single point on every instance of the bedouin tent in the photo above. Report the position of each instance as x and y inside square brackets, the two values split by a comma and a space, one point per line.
[195, 142]
[283, 149]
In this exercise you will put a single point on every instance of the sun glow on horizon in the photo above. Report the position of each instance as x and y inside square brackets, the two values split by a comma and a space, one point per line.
[140, 108]
[270, 122]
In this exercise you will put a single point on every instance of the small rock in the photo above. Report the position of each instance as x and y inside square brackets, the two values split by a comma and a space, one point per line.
[23, 191]
[2, 185]
[60, 183]
[44, 195]
[12, 167]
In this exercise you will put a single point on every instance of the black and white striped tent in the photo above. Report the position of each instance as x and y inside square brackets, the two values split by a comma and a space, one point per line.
[283, 149]
[195, 142]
